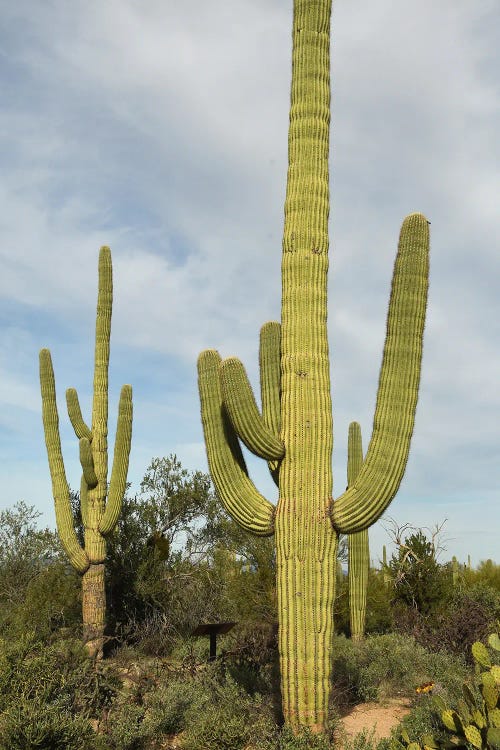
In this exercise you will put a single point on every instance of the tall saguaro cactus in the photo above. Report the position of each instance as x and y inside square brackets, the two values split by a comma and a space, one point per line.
[100, 505]
[294, 431]
[357, 543]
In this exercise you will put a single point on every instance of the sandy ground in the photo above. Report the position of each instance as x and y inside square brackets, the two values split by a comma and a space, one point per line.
[374, 717]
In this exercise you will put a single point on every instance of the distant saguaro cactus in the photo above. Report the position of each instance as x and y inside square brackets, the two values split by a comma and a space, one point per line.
[294, 433]
[357, 543]
[98, 515]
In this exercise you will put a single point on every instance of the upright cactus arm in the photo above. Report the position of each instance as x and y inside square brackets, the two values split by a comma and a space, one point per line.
[84, 503]
[227, 467]
[383, 468]
[270, 383]
[121, 456]
[60, 488]
[101, 368]
[354, 452]
[243, 412]
[270, 375]
[358, 543]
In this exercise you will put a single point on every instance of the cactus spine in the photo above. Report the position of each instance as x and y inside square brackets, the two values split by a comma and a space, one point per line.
[357, 543]
[98, 515]
[294, 432]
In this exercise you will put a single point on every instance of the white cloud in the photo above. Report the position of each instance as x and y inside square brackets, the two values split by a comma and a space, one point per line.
[161, 131]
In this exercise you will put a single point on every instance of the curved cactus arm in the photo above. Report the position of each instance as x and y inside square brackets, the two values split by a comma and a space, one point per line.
[60, 488]
[75, 415]
[227, 467]
[120, 462]
[240, 403]
[383, 468]
[270, 383]
[87, 463]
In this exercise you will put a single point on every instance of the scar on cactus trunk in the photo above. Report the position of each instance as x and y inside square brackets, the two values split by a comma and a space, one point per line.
[294, 430]
[357, 544]
[100, 505]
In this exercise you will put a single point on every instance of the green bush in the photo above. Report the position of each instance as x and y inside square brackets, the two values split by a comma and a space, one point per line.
[58, 674]
[454, 626]
[390, 665]
[224, 717]
[27, 725]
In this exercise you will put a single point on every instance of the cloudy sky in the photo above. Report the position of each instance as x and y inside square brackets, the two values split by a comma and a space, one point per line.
[160, 129]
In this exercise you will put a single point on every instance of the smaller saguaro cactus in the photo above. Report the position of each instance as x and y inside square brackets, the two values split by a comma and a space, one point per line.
[100, 505]
[359, 555]
[385, 568]
[455, 570]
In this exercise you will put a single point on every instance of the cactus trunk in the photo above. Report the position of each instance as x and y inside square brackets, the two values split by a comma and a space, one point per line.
[294, 432]
[94, 609]
[305, 539]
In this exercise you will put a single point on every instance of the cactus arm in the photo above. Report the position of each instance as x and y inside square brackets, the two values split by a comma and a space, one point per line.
[354, 453]
[121, 456]
[242, 409]
[357, 543]
[87, 463]
[270, 383]
[75, 415]
[60, 488]
[101, 367]
[379, 479]
[270, 375]
[227, 467]
[84, 502]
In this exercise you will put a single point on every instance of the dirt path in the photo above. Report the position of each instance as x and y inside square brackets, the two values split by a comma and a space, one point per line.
[374, 717]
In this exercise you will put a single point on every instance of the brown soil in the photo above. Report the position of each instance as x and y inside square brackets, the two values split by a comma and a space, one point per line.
[373, 717]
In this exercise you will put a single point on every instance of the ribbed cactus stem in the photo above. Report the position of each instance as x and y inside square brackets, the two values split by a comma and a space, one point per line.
[295, 432]
[357, 543]
[98, 516]
[306, 543]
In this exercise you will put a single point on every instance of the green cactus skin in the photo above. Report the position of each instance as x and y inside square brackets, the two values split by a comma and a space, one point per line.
[99, 515]
[455, 570]
[357, 544]
[295, 432]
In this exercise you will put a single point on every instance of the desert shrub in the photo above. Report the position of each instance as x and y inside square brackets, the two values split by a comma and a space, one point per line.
[26, 725]
[364, 740]
[58, 674]
[53, 601]
[420, 581]
[390, 665]
[305, 740]
[456, 625]
[252, 659]
[146, 711]
[224, 717]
